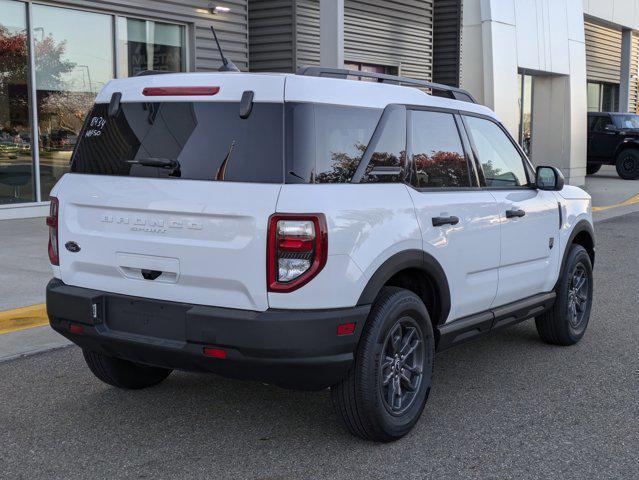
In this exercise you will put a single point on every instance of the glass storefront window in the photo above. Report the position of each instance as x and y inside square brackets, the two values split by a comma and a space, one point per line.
[148, 45]
[525, 112]
[16, 162]
[603, 97]
[74, 59]
[594, 97]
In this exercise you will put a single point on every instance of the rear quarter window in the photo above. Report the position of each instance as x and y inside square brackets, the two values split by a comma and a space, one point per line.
[325, 143]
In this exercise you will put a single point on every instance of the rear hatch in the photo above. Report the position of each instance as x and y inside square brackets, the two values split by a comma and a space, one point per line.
[170, 197]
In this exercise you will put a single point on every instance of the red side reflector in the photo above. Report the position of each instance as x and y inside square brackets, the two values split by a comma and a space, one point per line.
[179, 91]
[346, 328]
[214, 352]
[75, 328]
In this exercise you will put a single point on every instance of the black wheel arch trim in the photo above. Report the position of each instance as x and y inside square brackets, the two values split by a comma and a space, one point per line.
[627, 144]
[407, 259]
[580, 227]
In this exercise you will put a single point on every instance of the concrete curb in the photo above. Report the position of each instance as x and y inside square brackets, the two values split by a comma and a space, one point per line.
[25, 343]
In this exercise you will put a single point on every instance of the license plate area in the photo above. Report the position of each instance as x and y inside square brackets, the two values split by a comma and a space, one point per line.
[147, 318]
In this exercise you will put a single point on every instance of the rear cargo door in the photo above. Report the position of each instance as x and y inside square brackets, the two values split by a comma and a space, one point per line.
[185, 241]
[169, 198]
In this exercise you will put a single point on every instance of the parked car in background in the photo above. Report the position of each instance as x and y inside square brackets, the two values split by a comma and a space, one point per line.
[613, 139]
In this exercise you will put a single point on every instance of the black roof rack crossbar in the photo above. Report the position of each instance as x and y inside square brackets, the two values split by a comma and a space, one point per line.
[451, 92]
[144, 73]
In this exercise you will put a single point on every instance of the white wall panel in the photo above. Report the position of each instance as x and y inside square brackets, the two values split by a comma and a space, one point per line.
[624, 13]
[557, 45]
[528, 51]
[600, 8]
[502, 11]
[546, 38]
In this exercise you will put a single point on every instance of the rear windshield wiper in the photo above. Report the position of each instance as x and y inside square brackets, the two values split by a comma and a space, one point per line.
[156, 162]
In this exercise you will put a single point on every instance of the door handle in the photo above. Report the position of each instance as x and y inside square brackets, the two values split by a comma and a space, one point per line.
[517, 213]
[439, 221]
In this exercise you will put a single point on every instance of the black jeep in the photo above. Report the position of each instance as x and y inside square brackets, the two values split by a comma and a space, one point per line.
[613, 139]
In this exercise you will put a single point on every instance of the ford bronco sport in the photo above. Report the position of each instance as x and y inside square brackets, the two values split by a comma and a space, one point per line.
[613, 139]
[308, 231]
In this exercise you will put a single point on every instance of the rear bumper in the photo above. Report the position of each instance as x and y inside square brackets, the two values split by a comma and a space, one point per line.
[291, 348]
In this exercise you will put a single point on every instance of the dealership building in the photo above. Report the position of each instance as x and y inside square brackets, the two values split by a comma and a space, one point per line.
[540, 64]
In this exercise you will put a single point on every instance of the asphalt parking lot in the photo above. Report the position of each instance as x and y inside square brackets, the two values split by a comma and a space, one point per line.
[507, 406]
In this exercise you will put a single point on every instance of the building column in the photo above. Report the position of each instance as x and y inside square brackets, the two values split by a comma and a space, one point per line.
[626, 74]
[332, 33]
[490, 61]
[560, 118]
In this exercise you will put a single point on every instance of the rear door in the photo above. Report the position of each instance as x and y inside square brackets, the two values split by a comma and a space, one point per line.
[602, 142]
[529, 218]
[459, 221]
[192, 230]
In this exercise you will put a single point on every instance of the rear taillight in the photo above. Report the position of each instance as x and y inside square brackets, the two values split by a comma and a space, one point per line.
[52, 223]
[296, 250]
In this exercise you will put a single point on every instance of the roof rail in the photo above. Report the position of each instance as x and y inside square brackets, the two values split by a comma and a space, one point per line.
[144, 73]
[447, 91]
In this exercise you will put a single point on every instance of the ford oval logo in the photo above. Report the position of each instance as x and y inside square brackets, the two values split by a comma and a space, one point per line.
[72, 247]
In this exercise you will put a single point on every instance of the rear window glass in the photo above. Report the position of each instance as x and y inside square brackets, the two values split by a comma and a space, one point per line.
[200, 136]
[326, 142]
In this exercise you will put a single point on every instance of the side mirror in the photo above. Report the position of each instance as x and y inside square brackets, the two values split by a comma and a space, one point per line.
[549, 178]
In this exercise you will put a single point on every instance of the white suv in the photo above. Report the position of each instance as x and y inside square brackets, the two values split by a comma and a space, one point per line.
[310, 232]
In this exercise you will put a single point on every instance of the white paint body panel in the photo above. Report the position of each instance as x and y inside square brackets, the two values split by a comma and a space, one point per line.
[367, 223]
[528, 265]
[210, 238]
[266, 87]
[469, 251]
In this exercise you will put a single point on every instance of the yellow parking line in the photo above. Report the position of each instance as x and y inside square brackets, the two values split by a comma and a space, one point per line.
[23, 318]
[631, 201]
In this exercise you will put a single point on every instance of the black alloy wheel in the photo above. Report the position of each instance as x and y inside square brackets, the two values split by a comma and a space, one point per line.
[385, 391]
[628, 164]
[402, 364]
[578, 291]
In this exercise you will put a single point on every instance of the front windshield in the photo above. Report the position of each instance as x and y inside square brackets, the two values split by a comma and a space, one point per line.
[626, 121]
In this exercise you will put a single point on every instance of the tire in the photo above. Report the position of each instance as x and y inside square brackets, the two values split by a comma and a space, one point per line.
[368, 408]
[566, 322]
[627, 164]
[122, 373]
[592, 168]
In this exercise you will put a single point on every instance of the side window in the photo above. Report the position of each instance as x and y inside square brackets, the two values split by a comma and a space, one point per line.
[602, 123]
[439, 160]
[324, 143]
[502, 164]
[388, 161]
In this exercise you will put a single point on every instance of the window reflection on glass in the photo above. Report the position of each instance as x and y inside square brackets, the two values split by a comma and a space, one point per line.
[148, 45]
[501, 163]
[603, 97]
[367, 67]
[16, 165]
[326, 142]
[526, 112]
[73, 62]
[594, 97]
[438, 156]
[609, 97]
[388, 161]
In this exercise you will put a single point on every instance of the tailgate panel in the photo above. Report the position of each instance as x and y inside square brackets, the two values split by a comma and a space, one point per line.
[206, 239]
